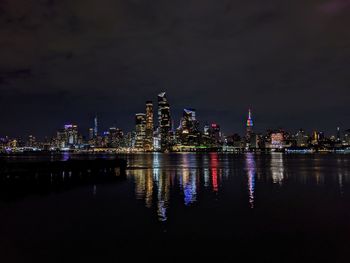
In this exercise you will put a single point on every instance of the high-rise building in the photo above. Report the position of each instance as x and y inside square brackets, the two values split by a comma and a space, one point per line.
[215, 133]
[255, 141]
[140, 129]
[72, 133]
[115, 137]
[188, 132]
[315, 138]
[189, 123]
[61, 139]
[95, 126]
[164, 121]
[206, 129]
[338, 135]
[302, 139]
[91, 133]
[249, 129]
[68, 136]
[346, 140]
[149, 126]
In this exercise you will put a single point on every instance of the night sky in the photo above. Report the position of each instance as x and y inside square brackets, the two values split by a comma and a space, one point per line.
[63, 61]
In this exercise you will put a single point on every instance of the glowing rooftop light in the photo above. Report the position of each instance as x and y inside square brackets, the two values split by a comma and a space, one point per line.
[250, 120]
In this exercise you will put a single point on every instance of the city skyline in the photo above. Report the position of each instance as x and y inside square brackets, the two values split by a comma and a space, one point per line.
[155, 130]
[128, 125]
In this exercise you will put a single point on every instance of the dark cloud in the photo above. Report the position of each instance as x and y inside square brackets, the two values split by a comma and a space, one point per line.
[288, 60]
[335, 6]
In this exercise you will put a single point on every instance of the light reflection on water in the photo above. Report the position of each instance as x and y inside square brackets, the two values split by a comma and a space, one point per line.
[277, 168]
[196, 175]
[275, 205]
[251, 170]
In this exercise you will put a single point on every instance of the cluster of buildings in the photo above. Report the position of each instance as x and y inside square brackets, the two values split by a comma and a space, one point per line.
[163, 135]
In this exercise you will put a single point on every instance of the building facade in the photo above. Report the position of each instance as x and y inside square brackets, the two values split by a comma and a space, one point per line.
[164, 121]
[149, 126]
[140, 131]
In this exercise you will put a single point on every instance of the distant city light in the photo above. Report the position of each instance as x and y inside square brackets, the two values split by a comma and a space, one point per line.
[189, 136]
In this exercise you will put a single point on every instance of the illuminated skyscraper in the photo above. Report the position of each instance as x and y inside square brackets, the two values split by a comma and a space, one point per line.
[91, 133]
[149, 126]
[250, 125]
[95, 126]
[315, 138]
[347, 138]
[206, 129]
[115, 137]
[140, 129]
[68, 136]
[215, 132]
[338, 135]
[188, 132]
[72, 133]
[164, 121]
[188, 122]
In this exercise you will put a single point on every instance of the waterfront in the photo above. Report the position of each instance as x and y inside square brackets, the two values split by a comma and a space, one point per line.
[273, 207]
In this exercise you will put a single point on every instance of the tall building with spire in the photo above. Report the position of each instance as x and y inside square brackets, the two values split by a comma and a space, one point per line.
[338, 135]
[95, 126]
[249, 128]
[164, 121]
[149, 126]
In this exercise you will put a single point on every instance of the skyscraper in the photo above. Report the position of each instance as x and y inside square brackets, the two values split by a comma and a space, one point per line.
[206, 129]
[164, 121]
[140, 129]
[347, 137]
[115, 137]
[91, 133]
[68, 136]
[95, 126]
[188, 122]
[315, 138]
[338, 135]
[250, 125]
[215, 132]
[302, 139]
[72, 133]
[149, 126]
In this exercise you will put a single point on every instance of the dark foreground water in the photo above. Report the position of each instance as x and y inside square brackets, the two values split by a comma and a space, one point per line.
[189, 207]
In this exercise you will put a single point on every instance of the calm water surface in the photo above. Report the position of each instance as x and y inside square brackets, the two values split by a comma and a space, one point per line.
[243, 208]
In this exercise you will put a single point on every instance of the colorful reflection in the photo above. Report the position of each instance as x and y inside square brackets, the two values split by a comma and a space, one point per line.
[144, 186]
[153, 185]
[214, 170]
[206, 177]
[188, 182]
[188, 179]
[251, 172]
[162, 181]
[148, 189]
[277, 168]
